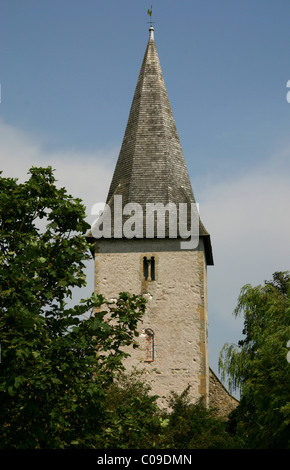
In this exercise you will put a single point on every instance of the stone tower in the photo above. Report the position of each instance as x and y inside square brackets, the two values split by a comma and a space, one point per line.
[173, 341]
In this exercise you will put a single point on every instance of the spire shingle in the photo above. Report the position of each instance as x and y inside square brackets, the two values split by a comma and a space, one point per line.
[151, 166]
[151, 161]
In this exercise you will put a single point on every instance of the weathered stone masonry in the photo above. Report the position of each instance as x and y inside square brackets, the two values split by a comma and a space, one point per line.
[219, 397]
[176, 309]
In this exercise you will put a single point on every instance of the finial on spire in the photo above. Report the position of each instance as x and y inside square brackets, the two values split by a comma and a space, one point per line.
[151, 29]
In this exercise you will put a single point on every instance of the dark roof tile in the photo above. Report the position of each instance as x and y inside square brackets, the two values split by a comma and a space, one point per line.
[151, 165]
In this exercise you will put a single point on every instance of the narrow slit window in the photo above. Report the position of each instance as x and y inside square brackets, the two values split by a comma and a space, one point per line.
[149, 345]
[149, 268]
[152, 268]
[145, 268]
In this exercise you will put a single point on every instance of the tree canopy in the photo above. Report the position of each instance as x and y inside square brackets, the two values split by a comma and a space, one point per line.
[258, 365]
[56, 364]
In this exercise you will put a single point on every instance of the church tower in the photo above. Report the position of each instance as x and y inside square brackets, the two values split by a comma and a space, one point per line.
[162, 266]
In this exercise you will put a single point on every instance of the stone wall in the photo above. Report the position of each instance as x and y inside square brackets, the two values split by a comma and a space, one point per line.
[173, 348]
[219, 397]
[176, 312]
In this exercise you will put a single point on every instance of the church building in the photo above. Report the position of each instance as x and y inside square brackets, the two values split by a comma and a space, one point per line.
[168, 269]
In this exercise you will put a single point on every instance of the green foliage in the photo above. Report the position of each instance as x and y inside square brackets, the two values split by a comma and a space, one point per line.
[258, 364]
[56, 365]
[132, 420]
[194, 426]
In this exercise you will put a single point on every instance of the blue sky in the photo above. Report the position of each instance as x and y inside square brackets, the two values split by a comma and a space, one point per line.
[68, 71]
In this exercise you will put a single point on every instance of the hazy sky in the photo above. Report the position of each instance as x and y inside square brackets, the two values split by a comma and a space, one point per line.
[68, 71]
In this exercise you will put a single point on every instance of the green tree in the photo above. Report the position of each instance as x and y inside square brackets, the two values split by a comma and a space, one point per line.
[258, 364]
[133, 420]
[56, 365]
[188, 425]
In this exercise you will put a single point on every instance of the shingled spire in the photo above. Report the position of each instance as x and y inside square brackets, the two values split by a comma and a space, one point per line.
[164, 267]
[151, 166]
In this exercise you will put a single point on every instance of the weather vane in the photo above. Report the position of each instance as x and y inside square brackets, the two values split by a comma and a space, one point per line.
[150, 14]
